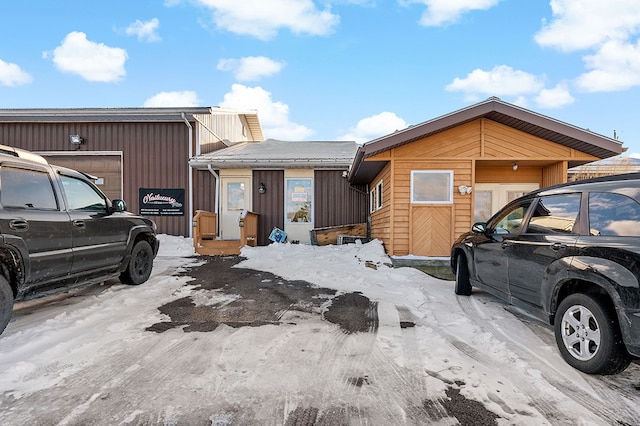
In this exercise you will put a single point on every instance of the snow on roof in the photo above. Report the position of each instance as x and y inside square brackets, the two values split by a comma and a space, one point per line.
[282, 154]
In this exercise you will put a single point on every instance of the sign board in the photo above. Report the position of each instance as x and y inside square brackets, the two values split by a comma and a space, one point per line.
[161, 201]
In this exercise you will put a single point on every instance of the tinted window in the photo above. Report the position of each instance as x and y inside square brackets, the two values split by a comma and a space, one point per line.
[613, 214]
[27, 189]
[82, 196]
[510, 221]
[555, 214]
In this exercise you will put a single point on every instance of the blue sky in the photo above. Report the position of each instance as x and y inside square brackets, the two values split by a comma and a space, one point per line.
[329, 70]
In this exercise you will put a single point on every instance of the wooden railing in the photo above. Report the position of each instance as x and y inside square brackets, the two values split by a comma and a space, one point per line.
[205, 234]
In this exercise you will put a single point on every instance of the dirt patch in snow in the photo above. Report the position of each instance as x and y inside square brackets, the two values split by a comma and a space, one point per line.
[249, 298]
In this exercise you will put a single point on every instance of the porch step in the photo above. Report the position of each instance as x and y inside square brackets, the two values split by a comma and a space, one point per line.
[218, 247]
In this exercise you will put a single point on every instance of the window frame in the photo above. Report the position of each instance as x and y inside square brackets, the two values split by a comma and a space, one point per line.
[288, 203]
[379, 199]
[449, 189]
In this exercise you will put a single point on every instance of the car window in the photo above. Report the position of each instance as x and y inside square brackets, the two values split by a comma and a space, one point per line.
[555, 214]
[510, 220]
[613, 214]
[27, 189]
[81, 195]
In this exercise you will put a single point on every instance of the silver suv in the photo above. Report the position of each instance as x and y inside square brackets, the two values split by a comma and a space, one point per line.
[57, 229]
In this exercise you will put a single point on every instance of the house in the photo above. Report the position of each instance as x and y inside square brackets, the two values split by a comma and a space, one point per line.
[292, 186]
[428, 183]
[138, 154]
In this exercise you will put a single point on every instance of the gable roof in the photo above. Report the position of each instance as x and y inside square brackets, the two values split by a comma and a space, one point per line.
[492, 109]
[97, 115]
[279, 154]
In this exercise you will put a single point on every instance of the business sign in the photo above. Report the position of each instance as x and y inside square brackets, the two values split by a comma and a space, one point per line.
[161, 202]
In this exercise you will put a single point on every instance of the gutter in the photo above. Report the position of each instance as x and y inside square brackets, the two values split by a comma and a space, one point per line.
[190, 180]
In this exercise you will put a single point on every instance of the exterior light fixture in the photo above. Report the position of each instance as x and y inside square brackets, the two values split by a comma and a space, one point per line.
[261, 188]
[515, 166]
[75, 139]
[464, 190]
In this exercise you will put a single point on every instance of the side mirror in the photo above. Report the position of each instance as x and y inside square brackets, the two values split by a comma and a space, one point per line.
[479, 228]
[119, 206]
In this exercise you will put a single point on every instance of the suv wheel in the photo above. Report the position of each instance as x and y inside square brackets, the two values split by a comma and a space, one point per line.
[6, 303]
[588, 336]
[140, 264]
[463, 285]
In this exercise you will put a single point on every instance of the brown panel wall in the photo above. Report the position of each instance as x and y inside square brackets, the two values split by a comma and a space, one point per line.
[155, 155]
[555, 173]
[381, 219]
[337, 202]
[204, 191]
[270, 205]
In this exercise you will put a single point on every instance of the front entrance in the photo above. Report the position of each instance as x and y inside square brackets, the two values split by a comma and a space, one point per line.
[491, 197]
[235, 197]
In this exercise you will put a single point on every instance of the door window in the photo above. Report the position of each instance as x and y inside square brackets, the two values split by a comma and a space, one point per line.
[81, 195]
[555, 214]
[299, 200]
[27, 189]
[432, 186]
[510, 220]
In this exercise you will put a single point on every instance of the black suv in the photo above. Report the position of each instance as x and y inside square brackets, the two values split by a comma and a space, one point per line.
[57, 229]
[570, 254]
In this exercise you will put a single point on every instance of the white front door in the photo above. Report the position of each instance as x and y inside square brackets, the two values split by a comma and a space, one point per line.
[235, 197]
[491, 197]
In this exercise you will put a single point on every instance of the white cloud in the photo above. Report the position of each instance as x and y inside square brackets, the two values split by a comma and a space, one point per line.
[557, 97]
[12, 75]
[274, 116]
[251, 68]
[145, 31]
[262, 19]
[585, 24]
[502, 80]
[441, 12]
[186, 98]
[373, 127]
[615, 66]
[90, 60]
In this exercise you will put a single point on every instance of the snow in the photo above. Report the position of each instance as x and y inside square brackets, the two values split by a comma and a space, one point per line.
[64, 356]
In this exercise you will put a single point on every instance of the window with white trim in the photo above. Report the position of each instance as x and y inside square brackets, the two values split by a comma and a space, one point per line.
[432, 186]
[379, 195]
[372, 200]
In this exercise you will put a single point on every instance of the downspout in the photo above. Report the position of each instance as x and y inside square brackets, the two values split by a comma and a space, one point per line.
[190, 184]
[217, 199]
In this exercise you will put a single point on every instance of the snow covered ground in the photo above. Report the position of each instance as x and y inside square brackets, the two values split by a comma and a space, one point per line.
[86, 358]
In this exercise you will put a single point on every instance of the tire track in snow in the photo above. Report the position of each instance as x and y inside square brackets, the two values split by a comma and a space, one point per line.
[613, 409]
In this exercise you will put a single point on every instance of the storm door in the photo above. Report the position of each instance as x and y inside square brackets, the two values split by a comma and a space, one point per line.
[235, 197]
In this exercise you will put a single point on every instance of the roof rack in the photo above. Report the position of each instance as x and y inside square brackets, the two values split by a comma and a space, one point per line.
[21, 153]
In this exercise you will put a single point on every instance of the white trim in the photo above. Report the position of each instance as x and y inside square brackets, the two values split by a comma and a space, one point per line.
[450, 189]
[379, 195]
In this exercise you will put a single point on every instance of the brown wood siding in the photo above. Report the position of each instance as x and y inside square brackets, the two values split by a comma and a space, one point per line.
[431, 230]
[270, 205]
[337, 202]
[381, 219]
[502, 141]
[555, 173]
[508, 175]
[155, 155]
[463, 141]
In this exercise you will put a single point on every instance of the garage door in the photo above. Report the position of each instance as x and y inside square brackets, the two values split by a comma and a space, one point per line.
[106, 167]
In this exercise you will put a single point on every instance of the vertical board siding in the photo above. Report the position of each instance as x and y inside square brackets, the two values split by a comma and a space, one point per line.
[337, 202]
[270, 205]
[155, 155]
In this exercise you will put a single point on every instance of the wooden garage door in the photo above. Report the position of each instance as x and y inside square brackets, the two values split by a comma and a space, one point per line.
[431, 230]
[106, 167]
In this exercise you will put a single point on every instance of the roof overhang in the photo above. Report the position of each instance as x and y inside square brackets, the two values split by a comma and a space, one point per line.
[495, 110]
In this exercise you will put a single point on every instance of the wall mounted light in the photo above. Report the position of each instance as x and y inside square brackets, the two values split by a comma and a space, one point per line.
[464, 190]
[261, 188]
[75, 139]
[515, 166]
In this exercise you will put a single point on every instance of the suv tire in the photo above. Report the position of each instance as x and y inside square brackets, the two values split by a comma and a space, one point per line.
[6, 303]
[588, 336]
[140, 264]
[463, 285]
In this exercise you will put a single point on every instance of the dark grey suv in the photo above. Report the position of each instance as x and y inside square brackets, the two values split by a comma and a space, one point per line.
[569, 254]
[57, 229]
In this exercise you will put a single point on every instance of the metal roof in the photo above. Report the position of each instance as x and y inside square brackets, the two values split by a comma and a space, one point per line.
[113, 115]
[492, 109]
[279, 154]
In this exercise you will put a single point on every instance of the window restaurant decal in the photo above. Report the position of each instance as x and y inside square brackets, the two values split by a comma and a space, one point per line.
[161, 202]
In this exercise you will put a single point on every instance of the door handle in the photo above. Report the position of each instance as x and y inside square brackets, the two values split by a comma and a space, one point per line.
[78, 223]
[558, 246]
[19, 225]
[505, 244]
